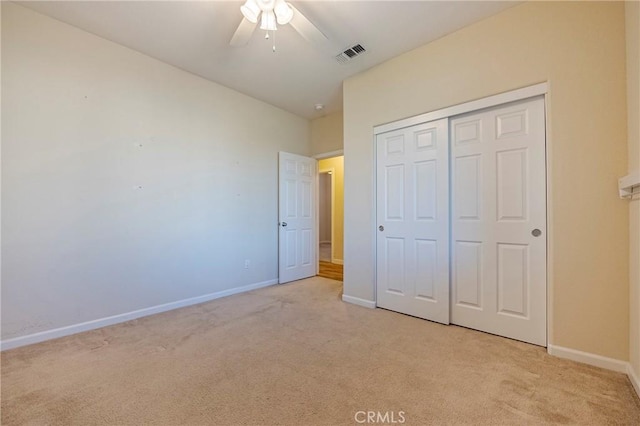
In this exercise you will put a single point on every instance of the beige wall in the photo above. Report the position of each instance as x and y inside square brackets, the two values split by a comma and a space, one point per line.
[578, 47]
[337, 164]
[326, 133]
[85, 122]
[633, 102]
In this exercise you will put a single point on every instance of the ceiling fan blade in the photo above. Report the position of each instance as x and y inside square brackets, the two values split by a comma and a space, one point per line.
[243, 33]
[309, 31]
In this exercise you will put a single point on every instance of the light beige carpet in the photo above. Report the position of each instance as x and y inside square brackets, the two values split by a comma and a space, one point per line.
[296, 355]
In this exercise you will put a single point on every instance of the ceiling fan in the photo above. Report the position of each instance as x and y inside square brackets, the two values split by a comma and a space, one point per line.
[272, 13]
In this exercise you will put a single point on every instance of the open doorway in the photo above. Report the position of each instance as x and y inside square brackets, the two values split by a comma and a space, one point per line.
[325, 195]
[330, 217]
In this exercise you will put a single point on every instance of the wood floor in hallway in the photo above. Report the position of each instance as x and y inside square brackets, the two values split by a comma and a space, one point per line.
[330, 270]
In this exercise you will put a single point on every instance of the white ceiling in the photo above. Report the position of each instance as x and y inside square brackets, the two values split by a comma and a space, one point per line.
[194, 36]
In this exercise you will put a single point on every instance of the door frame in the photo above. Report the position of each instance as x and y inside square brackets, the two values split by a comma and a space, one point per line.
[539, 89]
[330, 154]
[323, 156]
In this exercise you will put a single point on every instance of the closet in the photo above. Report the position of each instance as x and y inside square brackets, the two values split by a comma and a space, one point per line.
[461, 219]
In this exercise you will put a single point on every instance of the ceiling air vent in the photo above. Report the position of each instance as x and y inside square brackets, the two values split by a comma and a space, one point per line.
[350, 53]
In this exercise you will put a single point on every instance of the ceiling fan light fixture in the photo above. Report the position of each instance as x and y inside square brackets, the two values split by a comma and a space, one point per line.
[268, 21]
[250, 10]
[284, 12]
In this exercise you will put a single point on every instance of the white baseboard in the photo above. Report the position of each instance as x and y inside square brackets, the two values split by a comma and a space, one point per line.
[357, 301]
[633, 377]
[337, 261]
[128, 316]
[597, 361]
[588, 358]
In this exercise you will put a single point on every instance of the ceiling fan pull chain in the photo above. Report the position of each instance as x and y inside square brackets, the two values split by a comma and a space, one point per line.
[274, 41]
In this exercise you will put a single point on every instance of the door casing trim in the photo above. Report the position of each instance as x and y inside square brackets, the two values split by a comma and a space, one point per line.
[478, 104]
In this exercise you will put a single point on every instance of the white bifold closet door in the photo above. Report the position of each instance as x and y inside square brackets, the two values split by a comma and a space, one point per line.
[413, 221]
[498, 223]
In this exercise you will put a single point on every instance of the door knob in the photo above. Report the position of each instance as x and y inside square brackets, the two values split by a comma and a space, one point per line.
[536, 232]
[381, 228]
[284, 223]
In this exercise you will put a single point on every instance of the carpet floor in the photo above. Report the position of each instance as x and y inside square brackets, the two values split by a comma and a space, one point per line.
[295, 354]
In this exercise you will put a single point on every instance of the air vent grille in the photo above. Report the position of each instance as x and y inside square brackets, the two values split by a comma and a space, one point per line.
[350, 53]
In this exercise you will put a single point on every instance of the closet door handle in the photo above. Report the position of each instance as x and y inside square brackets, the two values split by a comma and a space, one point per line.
[381, 228]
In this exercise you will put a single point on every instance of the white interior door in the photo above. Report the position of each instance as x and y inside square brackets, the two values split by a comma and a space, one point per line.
[413, 218]
[298, 242]
[499, 221]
